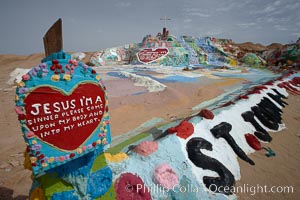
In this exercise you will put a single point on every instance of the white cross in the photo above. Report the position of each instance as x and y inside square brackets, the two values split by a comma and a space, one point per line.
[165, 19]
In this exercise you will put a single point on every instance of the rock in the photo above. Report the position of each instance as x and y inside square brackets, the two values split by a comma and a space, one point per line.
[7, 170]
[4, 165]
[14, 163]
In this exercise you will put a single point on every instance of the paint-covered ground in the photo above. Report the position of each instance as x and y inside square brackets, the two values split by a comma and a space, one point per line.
[173, 151]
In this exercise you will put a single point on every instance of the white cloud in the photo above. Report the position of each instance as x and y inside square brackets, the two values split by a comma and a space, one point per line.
[271, 19]
[213, 32]
[277, 3]
[270, 9]
[280, 27]
[198, 14]
[226, 8]
[123, 4]
[191, 10]
[292, 6]
[187, 20]
[246, 25]
[195, 12]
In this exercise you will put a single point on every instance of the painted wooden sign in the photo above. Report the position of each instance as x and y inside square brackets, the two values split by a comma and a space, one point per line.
[151, 55]
[53, 40]
[62, 108]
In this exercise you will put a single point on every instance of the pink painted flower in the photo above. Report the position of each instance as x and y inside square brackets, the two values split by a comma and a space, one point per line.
[30, 135]
[165, 176]
[73, 62]
[61, 158]
[19, 110]
[25, 77]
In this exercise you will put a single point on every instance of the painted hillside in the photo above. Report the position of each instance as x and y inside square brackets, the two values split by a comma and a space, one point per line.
[170, 50]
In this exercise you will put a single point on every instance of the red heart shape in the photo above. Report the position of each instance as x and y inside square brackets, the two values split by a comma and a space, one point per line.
[65, 120]
[150, 55]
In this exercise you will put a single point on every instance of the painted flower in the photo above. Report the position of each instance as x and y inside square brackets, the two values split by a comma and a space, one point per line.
[102, 135]
[23, 90]
[40, 70]
[21, 84]
[55, 77]
[33, 159]
[70, 69]
[73, 62]
[37, 68]
[43, 66]
[67, 77]
[30, 135]
[33, 73]
[51, 159]
[25, 77]
[104, 141]
[44, 165]
[85, 67]
[79, 150]
[36, 147]
[61, 158]
[18, 110]
[56, 67]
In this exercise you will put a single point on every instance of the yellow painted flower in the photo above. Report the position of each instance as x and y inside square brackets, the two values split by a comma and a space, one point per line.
[34, 142]
[44, 164]
[51, 159]
[17, 98]
[33, 159]
[21, 84]
[98, 141]
[55, 77]
[98, 77]
[67, 77]
[79, 150]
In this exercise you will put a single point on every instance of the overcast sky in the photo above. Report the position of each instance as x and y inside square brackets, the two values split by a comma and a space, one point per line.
[90, 25]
